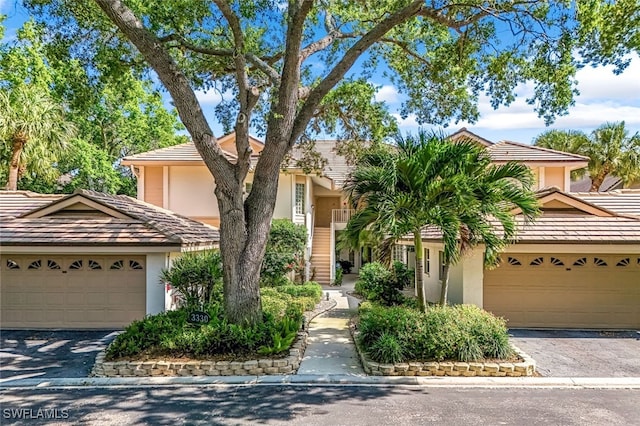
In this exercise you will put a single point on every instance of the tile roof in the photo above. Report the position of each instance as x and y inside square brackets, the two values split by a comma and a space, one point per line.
[621, 201]
[513, 151]
[463, 133]
[186, 152]
[336, 168]
[145, 224]
[569, 229]
[15, 203]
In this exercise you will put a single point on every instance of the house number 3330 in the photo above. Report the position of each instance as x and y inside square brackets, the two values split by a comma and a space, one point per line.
[199, 317]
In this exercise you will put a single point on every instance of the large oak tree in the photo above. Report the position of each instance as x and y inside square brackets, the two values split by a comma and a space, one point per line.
[287, 62]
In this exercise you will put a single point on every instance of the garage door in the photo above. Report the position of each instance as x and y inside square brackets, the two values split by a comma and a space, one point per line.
[565, 290]
[43, 291]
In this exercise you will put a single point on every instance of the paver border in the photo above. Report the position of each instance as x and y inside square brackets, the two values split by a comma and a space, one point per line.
[525, 368]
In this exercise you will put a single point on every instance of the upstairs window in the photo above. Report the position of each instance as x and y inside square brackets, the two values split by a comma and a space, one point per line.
[300, 198]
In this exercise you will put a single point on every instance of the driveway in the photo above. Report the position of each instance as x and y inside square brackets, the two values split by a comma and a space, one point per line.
[50, 354]
[569, 353]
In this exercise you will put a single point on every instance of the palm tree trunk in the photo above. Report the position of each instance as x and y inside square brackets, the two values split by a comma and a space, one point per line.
[417, 242]
[19, 142]
[445, 284]
[596, 182]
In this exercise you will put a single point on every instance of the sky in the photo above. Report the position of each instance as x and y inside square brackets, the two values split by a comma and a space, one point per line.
[604, 97]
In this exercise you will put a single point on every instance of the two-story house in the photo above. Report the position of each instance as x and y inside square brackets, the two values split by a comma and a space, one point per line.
[577, 266]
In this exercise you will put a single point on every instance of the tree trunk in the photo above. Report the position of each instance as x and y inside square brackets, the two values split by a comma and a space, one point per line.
[596, 182]
[19, 141]
[445, 284]
[417, 242]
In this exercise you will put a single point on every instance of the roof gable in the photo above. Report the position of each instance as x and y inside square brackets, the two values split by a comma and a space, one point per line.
[94, 218]
[75, 205]
[464, 134]
[552, 201]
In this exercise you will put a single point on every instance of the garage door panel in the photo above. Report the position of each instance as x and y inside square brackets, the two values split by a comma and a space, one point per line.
[565, 290]
[71, 291]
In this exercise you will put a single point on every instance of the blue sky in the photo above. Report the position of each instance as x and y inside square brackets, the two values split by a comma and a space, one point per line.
[603, 97]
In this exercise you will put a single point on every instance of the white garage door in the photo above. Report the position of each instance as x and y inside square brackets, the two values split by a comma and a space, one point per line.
[565, 290]
[74, 292]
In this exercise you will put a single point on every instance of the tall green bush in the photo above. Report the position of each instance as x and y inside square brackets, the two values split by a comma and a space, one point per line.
[197, 277]
[382, 285]
[285, 250]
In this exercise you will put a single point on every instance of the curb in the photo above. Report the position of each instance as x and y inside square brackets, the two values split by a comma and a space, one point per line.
[331, 380]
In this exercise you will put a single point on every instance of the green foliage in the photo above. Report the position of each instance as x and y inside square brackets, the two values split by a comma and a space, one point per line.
[338, 279]
[430, 181]
[282, 338]
[387, 348]
[309, 289]
[169, 333]
[197, 276]
[610, 148]
[113, 115]
[379, 284]
[458, 333]
[285, 249]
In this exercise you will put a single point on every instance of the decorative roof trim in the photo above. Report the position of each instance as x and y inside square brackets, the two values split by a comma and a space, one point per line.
[463, 133]
[75, 198]
[553, 193]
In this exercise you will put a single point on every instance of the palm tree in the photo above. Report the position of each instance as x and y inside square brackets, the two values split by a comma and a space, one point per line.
[33, 131]
[430, 181]
[610, 149]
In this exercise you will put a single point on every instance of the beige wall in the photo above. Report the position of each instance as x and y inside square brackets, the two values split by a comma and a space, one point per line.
[153, 185]
[284, 199]
[191, 192]
[554, 176]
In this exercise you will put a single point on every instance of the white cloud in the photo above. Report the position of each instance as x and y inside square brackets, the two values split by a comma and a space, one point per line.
[213, 96]
[388, 94]
[601, 83]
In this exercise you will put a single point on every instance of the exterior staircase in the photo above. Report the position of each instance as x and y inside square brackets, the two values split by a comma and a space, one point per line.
[321, 255]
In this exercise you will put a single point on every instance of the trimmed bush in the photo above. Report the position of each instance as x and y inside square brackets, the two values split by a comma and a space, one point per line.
[457, 333]
[309, 289]
[379, 284]
[285, 250]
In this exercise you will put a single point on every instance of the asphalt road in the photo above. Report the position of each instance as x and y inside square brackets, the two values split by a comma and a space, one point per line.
[320, 405]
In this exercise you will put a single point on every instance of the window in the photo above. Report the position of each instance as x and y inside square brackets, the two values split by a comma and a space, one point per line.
[427, 261]
[440, 265]
[398, 253]
[299, 198]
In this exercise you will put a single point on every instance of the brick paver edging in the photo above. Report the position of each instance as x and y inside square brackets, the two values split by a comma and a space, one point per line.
[526, 367]
[256, 367]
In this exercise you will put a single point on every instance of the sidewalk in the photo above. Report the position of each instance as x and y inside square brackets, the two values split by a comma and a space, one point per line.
[330, 350]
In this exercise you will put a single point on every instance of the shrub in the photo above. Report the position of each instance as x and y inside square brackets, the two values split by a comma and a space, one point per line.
[197, 277]
[460, 333]
[308, 289]
[285, 250]
[170, 334]
[379, 284]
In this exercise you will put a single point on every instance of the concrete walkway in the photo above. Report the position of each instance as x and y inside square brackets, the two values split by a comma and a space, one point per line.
[330, 349]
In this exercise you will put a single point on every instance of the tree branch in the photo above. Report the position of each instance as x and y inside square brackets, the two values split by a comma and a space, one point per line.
[174, 80]
[347, 61]
[247, 96]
